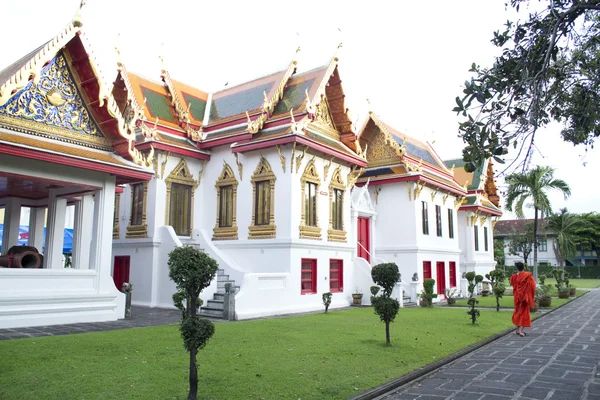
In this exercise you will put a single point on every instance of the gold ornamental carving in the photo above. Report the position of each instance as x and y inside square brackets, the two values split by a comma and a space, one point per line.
[281, 158]
[299, 158]
[323, 114]
[418, 188]
[240, 167]
[163, 165]
[433, 194]
[116, 229]
[263, 172]
[292, 158]
[445, 197]
[141, 230]
[336, 183]
[353, 176]
[458, 202]
[326, 168]
[223, 231]
[310, 175]
[408, 188]
[181, 174]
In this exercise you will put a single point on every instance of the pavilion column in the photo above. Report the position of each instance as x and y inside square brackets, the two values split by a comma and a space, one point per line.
[82, 232]
[37, 219]
[12, 217]
[101, 248]
[55, 231]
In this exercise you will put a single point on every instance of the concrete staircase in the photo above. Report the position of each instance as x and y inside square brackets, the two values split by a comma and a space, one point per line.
[214, 307]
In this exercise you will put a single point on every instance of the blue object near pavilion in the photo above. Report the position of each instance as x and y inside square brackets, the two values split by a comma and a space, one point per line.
[24, 235]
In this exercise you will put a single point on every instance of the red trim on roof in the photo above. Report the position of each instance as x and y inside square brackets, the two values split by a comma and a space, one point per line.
[120, 172]
[173, 149]
[300, 140]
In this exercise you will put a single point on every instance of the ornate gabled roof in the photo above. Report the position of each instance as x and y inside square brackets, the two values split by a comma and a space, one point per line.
[58, 93]
[392, 155]
[480, 183]
[194, 100]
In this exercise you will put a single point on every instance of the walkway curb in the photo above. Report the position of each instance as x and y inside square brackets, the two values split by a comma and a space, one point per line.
[429, 368]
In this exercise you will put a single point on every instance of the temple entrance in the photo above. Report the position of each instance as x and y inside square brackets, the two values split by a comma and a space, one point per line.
[364, 238]
[121, 271]
[441, 277]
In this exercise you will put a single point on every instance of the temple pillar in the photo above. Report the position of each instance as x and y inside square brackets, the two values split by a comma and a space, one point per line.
[37, 219]
[55, 231]
[101, 247]
[12, 217]
[82, 232]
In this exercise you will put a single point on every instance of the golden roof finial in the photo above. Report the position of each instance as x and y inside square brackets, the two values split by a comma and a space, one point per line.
[337, 52]
[78, 19]
[369, 107]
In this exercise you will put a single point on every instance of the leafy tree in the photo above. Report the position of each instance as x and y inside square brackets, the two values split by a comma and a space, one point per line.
[533, 185]
[588, 233]
[499, 251]
[547, 71]
[521, 243]
[427, 294]
[385, 275]
[192, 270]
[564, 225]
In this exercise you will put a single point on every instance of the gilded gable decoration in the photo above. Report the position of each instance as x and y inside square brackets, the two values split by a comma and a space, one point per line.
[298, 127]
[263, 173]
[382, 151]
[141, 230]
[226, 185]
[52, 104]
[353, 176]
[281, 158]
[310, 175]
[323, 114]
[336, 233]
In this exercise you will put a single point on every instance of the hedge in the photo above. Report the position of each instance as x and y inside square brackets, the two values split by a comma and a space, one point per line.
[587, 272]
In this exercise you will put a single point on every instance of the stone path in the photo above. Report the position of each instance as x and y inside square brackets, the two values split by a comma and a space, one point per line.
[140, 317]
[558, 360]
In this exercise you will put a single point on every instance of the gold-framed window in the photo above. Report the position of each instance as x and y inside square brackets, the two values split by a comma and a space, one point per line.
[337, 191]
[263, 202]
[137, 227]
[309, 219]
[180, 199]
[226, 226]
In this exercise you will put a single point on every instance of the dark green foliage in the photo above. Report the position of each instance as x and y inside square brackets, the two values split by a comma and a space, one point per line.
[496, 278]
[192, 270]
[327, 300]
[427, 294]
[375, 290]
[473, 280]
[587, 235]
[499, 255]
[587, 272]
[546, 71]
[385, 275]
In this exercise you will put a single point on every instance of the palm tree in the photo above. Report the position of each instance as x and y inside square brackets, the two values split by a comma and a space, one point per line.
[565, 226]
[533, 185]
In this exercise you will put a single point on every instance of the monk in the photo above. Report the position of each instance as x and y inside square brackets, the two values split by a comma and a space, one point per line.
[523, 291]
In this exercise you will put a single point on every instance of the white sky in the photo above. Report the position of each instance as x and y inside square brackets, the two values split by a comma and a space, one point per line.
[409, 58]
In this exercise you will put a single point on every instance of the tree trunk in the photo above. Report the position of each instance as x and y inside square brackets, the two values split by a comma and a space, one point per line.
[193, 303]
[387, 332]
[535, 246]
[193, 376]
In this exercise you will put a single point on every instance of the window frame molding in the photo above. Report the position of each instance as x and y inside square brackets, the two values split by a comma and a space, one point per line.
[336, 183]
[181, 174]
[340, 279]
[310, 175]
[138, 231]
[439, 228]
[226, 178]
[263, 172]
[313, 280]
[476, 236]
[451, 223]
[424, 217]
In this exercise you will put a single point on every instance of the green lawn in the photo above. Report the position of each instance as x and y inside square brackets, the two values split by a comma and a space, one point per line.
[508, 301]
[320, 356]
[578, 283]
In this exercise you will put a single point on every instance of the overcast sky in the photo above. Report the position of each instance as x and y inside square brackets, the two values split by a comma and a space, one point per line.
[409, 59]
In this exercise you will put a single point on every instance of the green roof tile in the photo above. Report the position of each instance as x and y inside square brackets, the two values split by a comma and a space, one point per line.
[293, 97]
[158, 105]
[197, 106]
[239, 102]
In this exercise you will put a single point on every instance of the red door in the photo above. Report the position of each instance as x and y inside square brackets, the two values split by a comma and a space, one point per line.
[441, 276]
[452, 271]
[121, 271]
[364, 238]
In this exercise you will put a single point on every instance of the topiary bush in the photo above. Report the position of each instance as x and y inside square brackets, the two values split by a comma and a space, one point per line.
[473, 280]
[385, 275]
[427, 294]
[327, 300]
[192, 270]
[496, 278]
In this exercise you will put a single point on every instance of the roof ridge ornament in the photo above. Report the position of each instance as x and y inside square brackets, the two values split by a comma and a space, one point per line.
[78, 18]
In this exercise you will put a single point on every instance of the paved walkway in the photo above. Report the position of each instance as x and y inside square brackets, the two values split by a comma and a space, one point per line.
[140, 317]
[558, 360]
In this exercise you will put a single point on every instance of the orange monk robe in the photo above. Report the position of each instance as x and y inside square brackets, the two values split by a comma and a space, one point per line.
[523, 292]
